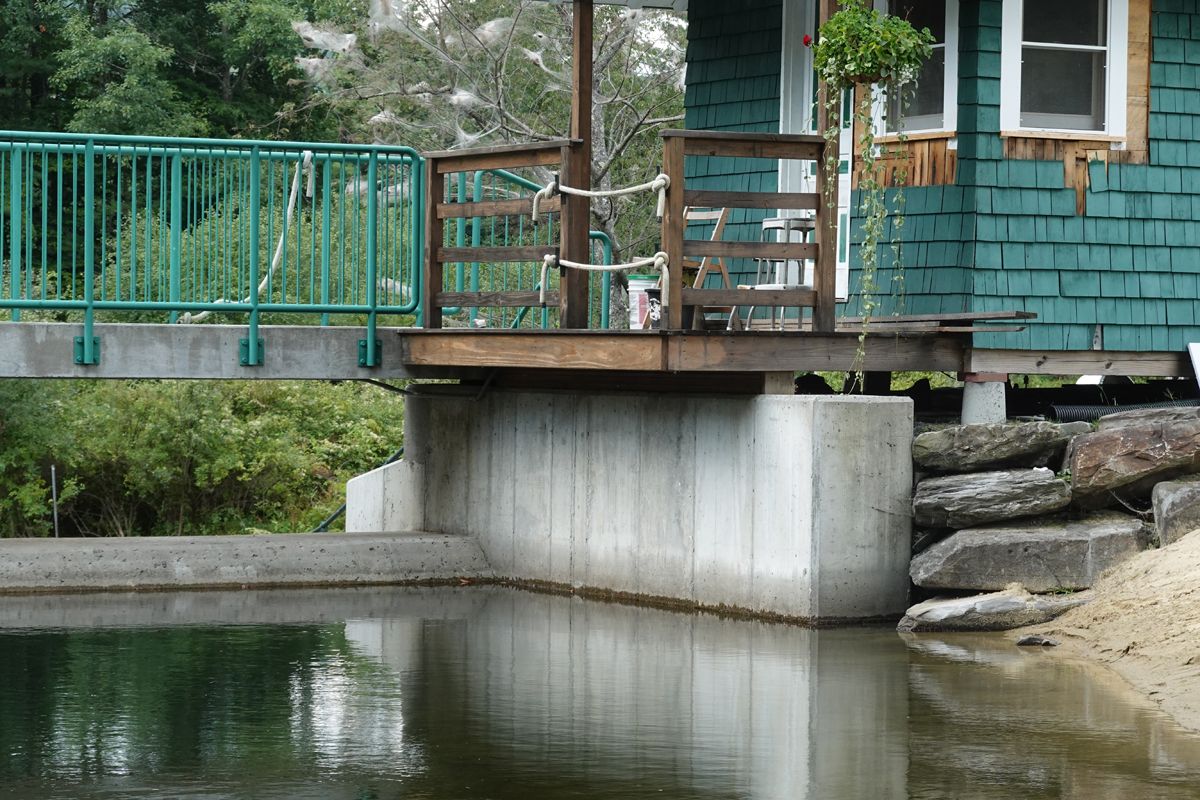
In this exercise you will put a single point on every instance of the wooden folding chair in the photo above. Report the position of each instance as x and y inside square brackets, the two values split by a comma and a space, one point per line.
[709, 264]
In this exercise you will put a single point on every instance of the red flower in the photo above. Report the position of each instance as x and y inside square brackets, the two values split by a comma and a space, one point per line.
[807, 40]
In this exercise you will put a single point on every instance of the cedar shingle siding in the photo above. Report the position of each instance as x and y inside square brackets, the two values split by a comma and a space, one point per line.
[1008, 236]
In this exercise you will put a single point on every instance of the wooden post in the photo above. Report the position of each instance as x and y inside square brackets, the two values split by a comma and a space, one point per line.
[825, 272]
[673, 226]
[577, 171]
[431, 281]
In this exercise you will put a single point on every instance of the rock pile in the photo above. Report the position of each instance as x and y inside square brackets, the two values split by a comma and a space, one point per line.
[1040, 507]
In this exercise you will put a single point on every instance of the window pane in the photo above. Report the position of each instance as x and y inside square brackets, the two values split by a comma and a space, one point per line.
[926, 99]
[1066, 21]
[1062, 89]
[922, 14]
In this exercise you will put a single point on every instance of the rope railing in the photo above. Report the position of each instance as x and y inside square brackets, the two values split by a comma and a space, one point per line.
[659, 261]
[659, 184]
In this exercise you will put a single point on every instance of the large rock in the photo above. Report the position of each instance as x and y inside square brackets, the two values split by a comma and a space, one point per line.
[1040, 555]
[960, 501]
[1014, 607]
[1176, 509]
[1149, 416]
[1126, 462]
[972, 448]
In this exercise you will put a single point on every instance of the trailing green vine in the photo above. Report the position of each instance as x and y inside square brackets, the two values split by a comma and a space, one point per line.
[858, 46]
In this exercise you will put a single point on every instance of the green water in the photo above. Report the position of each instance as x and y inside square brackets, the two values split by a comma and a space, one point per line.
[491, 693]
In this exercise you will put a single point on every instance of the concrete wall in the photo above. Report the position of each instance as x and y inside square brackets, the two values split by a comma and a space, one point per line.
[40, 565]
[777, 504]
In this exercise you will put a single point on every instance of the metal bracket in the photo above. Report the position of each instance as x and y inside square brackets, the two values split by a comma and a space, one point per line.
[95, 351]
[244, 353]
[362, 353]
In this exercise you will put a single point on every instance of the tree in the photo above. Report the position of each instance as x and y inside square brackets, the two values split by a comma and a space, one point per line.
[117, 82]
[461, 73]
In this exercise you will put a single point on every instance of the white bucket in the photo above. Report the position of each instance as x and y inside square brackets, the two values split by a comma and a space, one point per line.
[639, 304]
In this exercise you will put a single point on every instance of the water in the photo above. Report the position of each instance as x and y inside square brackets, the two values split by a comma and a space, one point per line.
[491, 693]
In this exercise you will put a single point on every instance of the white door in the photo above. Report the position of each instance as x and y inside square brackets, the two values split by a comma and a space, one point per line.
[797, 114]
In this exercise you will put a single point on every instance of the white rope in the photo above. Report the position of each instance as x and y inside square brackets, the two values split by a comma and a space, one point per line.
[187, 318]
[659, 261]
[659, 184]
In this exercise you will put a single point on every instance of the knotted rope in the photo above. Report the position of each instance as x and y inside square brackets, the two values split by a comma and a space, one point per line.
[659, 184]
[659, 261]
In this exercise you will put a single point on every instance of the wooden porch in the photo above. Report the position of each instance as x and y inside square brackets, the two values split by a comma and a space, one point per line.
[693, 337]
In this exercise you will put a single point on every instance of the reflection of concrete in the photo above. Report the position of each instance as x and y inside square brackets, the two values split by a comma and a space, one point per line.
[1031, 723]
[615, 692]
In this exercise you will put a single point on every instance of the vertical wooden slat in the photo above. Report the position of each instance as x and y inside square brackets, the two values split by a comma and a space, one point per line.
[431, 283]
[825, 271]
[577, 171]
[673, 227]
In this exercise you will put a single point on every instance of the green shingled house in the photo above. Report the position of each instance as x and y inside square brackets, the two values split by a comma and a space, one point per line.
[1052, 164]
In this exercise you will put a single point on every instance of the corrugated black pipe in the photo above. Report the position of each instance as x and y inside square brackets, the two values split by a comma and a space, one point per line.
[1093, 413]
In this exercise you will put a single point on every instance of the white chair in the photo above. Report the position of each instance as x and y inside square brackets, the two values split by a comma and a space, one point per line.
[781, 273]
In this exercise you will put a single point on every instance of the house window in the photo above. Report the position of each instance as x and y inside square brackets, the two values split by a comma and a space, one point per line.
[929, 104]
[1064, 66]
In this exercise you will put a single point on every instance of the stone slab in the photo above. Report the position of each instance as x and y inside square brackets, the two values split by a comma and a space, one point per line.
[1176, 510]
[1041, 555]
[959, 501]
[976, 448]
[1014, 607]
[1124, 463]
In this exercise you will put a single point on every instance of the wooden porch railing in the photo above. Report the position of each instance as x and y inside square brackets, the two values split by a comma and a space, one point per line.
[559, 154]
[678, 146]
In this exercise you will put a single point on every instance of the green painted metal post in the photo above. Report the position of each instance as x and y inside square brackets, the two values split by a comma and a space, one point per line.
[86, 352]
[251, 355]
[369, 351]
[14, 228]
[326, 234]
[417, 176]
[176, 229]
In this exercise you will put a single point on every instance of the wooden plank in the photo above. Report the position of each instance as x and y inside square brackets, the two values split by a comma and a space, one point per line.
[730, 148]
[431, 279]
[773, 250]
[629, 351]
[577, 170]
[522, 206]
[519, 157]
[749, 297]
[773, 352]
[446, 255]
[552, 145]
[674, 223]
[1080, 362]
[495, 299]
[962, 316]
[773, 200]
[825, 268]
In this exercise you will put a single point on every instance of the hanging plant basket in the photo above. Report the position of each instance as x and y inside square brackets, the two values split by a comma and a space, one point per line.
[859, 46]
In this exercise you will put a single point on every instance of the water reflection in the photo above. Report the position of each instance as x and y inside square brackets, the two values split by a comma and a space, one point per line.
[493, 693]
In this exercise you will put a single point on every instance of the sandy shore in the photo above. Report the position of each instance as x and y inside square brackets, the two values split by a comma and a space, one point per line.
[1145, 624]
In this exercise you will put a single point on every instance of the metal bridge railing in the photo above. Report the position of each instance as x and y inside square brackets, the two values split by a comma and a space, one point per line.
[149, 228]
[155, 229]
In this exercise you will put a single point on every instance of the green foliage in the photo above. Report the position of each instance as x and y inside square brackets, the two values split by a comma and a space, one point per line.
[860, 45]
[161, 457]
[117, 84]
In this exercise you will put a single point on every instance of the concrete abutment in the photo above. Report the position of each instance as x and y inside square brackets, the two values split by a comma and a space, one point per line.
[785, 505]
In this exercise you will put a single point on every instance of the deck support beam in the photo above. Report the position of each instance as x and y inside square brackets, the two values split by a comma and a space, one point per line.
[577, 171]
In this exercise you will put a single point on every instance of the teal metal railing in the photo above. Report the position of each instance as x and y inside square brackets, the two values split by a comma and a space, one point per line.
[147, 228]
[140, 228]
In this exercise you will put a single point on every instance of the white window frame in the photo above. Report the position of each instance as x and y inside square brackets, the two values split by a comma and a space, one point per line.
[1116, 73]
[949, 90]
